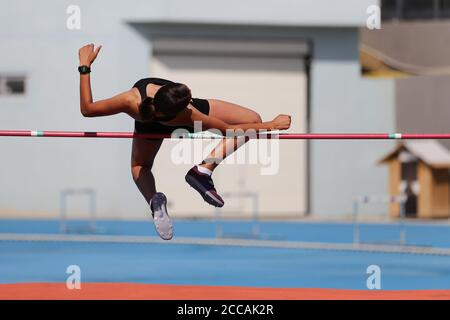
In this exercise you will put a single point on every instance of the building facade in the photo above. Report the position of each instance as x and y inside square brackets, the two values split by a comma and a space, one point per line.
[294, 57]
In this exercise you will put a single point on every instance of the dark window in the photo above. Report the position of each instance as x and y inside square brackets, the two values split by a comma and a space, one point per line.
[444, 9]
[15, 86]
[12, 85]
[409, 175]
[389, 9]
[409, 171]
[419, 9]
[415, 9]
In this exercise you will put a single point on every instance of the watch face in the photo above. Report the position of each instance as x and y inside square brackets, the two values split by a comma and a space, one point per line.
[84, 69]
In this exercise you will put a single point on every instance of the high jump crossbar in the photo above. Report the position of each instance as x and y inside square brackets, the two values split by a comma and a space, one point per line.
[259, 135]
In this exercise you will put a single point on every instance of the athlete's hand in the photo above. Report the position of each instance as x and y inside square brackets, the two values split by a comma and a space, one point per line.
[87, 54]
[281, 122]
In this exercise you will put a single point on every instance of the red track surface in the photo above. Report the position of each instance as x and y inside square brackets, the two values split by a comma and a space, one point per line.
[130, 291]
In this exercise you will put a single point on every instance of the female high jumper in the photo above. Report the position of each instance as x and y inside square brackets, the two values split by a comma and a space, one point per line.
[161, 106]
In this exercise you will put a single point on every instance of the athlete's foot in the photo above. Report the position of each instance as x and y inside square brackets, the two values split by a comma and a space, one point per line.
[203, 183]
[163, 224]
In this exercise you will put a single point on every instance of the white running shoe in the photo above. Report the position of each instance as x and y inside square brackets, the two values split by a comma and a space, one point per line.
[163, 224]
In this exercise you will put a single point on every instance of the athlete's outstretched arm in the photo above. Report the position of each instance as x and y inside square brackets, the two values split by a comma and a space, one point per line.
[88, 107]
[281, 122]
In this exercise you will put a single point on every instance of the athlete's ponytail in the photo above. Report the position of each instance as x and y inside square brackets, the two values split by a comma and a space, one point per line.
[147, 109]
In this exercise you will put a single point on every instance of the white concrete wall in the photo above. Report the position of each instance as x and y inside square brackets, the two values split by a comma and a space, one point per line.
[34, 40]
[343, 102]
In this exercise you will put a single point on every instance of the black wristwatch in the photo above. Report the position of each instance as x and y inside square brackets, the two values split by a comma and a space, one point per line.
[84, 69]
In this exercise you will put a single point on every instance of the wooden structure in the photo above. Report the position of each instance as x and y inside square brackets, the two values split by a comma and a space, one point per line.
[420, 169]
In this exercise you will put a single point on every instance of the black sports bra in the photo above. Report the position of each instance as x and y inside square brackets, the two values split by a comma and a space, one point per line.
[142, 84]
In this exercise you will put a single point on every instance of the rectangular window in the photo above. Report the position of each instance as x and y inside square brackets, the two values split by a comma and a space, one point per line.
[445, 9]
[415, 9]
[390, 9]
[12, 85]
[420, 9]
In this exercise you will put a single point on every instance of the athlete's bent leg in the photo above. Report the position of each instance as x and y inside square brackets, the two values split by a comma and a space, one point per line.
[199, 177]
[233, 114]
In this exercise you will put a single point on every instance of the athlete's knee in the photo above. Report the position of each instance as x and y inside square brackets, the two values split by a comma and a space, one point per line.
[136, 170]
[256, 118]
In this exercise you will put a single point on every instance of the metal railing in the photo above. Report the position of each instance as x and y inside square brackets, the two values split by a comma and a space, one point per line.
[64, 222]
[373, 199]
[255, 227]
